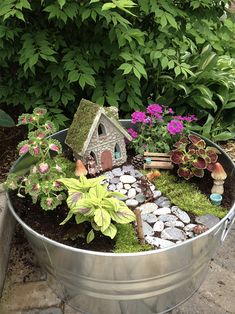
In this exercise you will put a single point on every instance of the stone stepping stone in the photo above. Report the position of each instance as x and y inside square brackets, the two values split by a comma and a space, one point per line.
[147, 229]
[117, 172]
[189, 227]
[173, 234]
[119, 186]
[131, 193]
[123, 191]
[158, 226]
[175, 223]
[140, 198]
[182, 215]
[127, 168]
[166, 218]
[158, 242]
[207, 220]
[132, 202]
[148, 208]
[112, 187]
[150, 218]
[114, 180]
[127, 179]
[157, 193]
[162, 211]
[127, 186]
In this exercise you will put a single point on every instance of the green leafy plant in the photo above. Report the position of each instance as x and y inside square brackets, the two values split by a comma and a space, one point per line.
[193, 157]
[158, 129]
[40, 182]
[6, 120]
[89, 201]
[137, 51]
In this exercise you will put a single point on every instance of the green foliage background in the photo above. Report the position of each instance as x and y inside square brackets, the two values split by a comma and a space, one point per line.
[123, 53]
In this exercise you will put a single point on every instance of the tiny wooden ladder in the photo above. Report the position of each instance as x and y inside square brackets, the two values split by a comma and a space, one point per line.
[158, 160]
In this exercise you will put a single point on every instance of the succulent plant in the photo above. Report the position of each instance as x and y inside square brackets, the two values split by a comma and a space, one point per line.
[193, 157]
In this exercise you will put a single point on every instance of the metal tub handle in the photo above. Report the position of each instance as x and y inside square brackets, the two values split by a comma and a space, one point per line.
[228, 225]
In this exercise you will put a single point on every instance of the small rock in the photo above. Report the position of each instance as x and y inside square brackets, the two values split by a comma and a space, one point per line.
[151, 218]
[173, 234]
[182, 215]
[112, 187]
[119, 186]
[189, 234]
[189, 227]
[140, 198]
[131, 193]
[148, 208]
[127, 186]
[123, 191]
[207, 220]
[132, 202]
[162, 211]
[138, 174]
[160, 200]
[127, 168]
[158, 226]
[117, 172]
[158, 242]
[175, 223]
[157, 193]
[109, 174]
[114, 180]
[132, 173]
[127, 179]
[147, 229]
[167, 218]
[152, 187]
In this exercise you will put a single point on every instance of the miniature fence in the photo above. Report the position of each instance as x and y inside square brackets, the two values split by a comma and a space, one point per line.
[157, 160]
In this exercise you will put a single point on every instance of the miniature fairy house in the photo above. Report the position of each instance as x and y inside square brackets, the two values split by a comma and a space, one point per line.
[95, 131]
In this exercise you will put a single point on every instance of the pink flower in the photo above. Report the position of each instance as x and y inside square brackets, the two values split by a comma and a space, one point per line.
[138, 116]
[155, 110]
[174, 127]
[36, 150]
[57, 184]
[43, 167]
[170, 110]
[49, 201]
[24, 149]
[133, 133]
[54, 147]
[39, 111]
[41, 135]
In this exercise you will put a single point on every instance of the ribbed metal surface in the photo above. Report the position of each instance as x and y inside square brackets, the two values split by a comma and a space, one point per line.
[139, 283]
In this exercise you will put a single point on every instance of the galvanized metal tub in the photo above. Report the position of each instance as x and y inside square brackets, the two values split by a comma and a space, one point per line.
[137, 283]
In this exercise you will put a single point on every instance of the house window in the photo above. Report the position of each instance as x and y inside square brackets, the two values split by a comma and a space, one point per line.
[101, 130]
[117, 152]
[94, 156]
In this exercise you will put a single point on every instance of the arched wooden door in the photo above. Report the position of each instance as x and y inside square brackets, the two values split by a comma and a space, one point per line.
[106, 160]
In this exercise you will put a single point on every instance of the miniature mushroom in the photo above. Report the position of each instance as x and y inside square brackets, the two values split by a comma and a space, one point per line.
[80, 169]
[219, 175]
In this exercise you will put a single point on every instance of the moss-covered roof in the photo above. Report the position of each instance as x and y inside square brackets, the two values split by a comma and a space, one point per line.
[84, 123]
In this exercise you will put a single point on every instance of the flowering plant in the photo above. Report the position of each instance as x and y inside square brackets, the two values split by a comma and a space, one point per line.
[158, 129]
[193, 157]
[40, 182]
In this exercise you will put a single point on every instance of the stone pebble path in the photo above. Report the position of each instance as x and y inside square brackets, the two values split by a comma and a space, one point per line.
[164, 224]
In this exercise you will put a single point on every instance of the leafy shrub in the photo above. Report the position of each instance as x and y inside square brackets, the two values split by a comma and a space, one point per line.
[6, 120]
[40, 182]
[90, 201]
[119, 53]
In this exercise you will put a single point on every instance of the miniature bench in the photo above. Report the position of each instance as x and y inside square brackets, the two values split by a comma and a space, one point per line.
[157, 160]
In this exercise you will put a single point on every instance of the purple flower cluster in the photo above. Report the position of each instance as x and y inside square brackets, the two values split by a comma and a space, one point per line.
[133, 133]
[138, 116]
[174, 127]
[189, 118]
[155, 110]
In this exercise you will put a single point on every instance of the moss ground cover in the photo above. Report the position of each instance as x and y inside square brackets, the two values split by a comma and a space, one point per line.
[187, 196]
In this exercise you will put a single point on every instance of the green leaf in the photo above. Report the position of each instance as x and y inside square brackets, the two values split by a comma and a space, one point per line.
[206, 130]
[102, 218]
[69, 216]
[110, 231]
[6, 120]
[90, 236]
[223, 136]
[108, 6]
[229, 105]
[123, 215]
[73, 76]
[126, 67]
[80, 218]
[61, 3]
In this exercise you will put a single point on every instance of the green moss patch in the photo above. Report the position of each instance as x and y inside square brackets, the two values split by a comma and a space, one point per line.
[81, 125]
[127, 241]
[187, 196]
